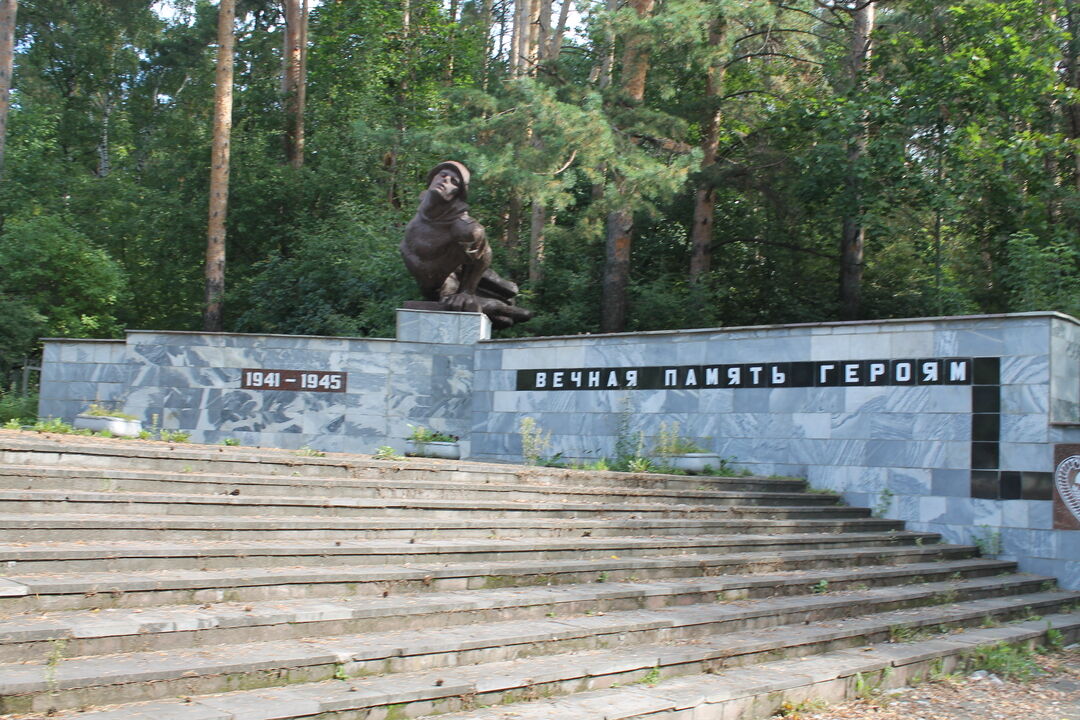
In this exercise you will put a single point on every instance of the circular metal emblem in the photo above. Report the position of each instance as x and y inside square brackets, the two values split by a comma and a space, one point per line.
[1067, 483]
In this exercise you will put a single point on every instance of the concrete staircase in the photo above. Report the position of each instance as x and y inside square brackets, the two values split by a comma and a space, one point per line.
[148, 580]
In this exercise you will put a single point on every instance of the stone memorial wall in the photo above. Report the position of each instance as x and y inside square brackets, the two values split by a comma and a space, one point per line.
[948, 423]
[330, 394]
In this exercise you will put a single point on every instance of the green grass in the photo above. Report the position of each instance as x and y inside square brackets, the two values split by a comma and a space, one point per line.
[1007, 661]
[20, 408]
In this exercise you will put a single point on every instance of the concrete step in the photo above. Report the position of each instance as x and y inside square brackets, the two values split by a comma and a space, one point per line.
[225, 505]
[718, 635]
[801, 512]
[615, 684]
[68, 591]
[159, 574]
[35, 449]
[28, 638]
[748, 693]
[45, 477]
[71, 526]
[120, 556]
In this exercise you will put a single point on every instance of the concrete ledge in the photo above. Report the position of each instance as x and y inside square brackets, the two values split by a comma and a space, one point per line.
[749, 692]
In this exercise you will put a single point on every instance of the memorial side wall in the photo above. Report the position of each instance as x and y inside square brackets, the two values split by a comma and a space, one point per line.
[250, 388]
[970, 457]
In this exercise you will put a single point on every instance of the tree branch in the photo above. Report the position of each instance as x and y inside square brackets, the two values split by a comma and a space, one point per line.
[747, 56]
[567, 164]
[816, 18]
[676, 146]
[785, 246]
[831, 5]
[740, 93]
[784, 30]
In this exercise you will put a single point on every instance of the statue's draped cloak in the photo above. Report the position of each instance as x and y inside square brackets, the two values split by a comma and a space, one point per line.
[452, 217]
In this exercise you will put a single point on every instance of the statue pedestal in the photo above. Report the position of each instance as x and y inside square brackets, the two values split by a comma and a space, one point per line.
[438, 325]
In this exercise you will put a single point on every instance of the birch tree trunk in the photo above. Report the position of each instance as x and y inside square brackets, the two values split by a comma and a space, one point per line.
[519, 37]
[219, 170]
[533, 36]
[555, 45]
[601, 71]
[485, 62]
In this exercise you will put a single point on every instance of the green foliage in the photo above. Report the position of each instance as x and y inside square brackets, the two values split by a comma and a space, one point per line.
[630, 453]
[535, 443]
[864, 687]
[884, 503]
[1042, 275]
[96, 410]
[421, 435]
[1055, 639]
[385, 452]
[52, 425]
[650, 678]
[15, 407]
[988, 540]
[967, 189]
[670, 442]
[55, 284]
[600, 465]
[343, 277]
[308, 451]
[795, 711]
[1008, 661]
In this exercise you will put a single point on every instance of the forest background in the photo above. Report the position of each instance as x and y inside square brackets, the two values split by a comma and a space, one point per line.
[639, 165]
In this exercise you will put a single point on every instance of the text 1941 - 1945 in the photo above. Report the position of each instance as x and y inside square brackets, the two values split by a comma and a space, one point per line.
[300, 380]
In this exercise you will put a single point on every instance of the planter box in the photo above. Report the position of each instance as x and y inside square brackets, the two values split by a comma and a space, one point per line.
[445, 450]
[115, 425]
[693, 463]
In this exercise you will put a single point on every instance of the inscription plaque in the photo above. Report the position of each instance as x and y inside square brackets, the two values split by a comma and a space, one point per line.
[836, 373]
[306, 380]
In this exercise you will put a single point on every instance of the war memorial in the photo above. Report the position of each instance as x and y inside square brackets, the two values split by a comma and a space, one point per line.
[909, 493]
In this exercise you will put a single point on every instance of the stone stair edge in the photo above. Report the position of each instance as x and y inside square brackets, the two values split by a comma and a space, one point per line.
[16, 441]
[36, 472]
[202, 549]
[763, 690]
[669, 655]
[129, 496]
[42, 520]
[741, 683]
[22, 678]
[39, 584]
[112, 622]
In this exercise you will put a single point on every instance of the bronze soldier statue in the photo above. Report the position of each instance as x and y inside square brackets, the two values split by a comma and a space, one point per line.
[448, 253]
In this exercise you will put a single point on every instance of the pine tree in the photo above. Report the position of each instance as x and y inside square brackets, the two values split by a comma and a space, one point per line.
[219, 170]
